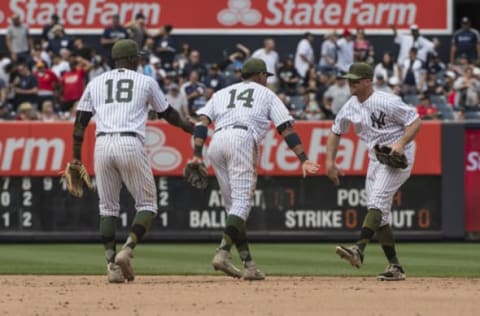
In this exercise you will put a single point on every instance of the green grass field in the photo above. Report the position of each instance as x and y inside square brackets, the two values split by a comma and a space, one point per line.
[420, 260]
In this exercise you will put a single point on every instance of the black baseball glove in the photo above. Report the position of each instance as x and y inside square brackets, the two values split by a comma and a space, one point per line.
[387, 157]
[196, 174]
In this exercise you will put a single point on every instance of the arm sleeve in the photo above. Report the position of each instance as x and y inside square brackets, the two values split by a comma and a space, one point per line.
[278, 111]
[207, 110]
[403, 113]
[342, 123]
[85, 103]
[157, 99]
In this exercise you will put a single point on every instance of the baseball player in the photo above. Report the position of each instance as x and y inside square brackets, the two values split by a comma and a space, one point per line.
[242, 113]
[378, 118]
[119, 100]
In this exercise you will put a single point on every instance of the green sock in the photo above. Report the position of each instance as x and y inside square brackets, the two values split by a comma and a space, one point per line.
[242, 247]
[107, 233]
[386, 239]
[141, 224]
[233, 227]
[370, 225]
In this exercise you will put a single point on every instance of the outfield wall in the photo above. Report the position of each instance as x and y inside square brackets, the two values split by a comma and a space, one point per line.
[438, 202]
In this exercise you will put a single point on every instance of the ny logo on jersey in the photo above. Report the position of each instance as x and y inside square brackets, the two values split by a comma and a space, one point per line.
[378, 121]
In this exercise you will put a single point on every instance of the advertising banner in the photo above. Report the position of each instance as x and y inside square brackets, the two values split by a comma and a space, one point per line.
[472, 180]
[238, 16]
[43, 149]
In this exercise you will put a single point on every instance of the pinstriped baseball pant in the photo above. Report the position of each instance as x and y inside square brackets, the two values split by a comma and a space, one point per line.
[122, 159]
[383, 182]
[234, 154]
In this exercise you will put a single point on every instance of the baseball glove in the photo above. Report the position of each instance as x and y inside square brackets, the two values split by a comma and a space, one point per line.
[196, 174]
[387, 157]
[75, 176]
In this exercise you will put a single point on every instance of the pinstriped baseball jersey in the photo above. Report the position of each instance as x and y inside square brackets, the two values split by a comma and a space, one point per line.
[246, 103]
[381, 119]
[119, 100]
[233, 152]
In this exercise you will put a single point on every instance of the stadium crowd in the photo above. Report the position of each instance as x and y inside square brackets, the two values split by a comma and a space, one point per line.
[43, 80]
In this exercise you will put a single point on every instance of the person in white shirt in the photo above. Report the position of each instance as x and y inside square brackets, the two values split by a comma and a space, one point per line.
[345, 51]
[304, 55]
[414, 39]
[270, 57]
[328, 53]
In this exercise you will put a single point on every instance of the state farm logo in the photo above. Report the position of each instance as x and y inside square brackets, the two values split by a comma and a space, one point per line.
[162, 157]
[239, 11]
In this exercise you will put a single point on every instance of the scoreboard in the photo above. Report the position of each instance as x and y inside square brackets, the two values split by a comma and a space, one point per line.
[283, 208]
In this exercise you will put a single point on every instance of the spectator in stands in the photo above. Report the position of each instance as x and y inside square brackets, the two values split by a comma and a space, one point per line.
[386, 68]
[165, 48]
[268, 54]
[73, 82]
[145, 67]
[312, 110]
[449, 91]
[82, 50]
[465, 41]
[6, 113]
[425, 109]
[181, 57]
[414, 39]
[328, 53]
[112, 34]
[461, 64]
[48, 113]
[435, 66]
[60, 63]
[3, 92]
[47, 33]
[137, 29]
[25, 86]
[433, 86]
[345, 51]
[47, 82]
[194, 90]
[60, 40]
[412, 74]
[26, 112]
[5, 65]
[39, 54]
[288, 77]
[99, 66]
[363, 50]
[468, 89]
[304, 55]
[214, 79]
[18, 40]
[194, 64]
[177, 100]
[339, 92]
[322, 86]
[395, 85]
[380, 84]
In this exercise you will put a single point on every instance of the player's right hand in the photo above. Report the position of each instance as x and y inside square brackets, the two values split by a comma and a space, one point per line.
[333, 173]
[309, 167]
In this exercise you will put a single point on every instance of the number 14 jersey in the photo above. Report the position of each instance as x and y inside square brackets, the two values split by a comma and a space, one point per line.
[246, 103]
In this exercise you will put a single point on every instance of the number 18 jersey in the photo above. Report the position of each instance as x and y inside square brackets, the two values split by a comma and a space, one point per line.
[246, 103]
[119, 100]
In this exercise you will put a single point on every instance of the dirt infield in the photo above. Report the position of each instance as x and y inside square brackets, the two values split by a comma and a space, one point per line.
[218, 295]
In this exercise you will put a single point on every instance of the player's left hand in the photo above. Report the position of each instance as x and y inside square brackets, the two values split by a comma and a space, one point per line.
[309, 167]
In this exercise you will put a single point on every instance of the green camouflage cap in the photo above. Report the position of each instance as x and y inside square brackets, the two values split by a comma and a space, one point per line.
[254, 66]
[125, 48]
[359, 71]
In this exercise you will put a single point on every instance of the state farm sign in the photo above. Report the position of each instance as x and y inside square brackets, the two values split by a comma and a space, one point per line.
[239, 16]
[43, 149]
